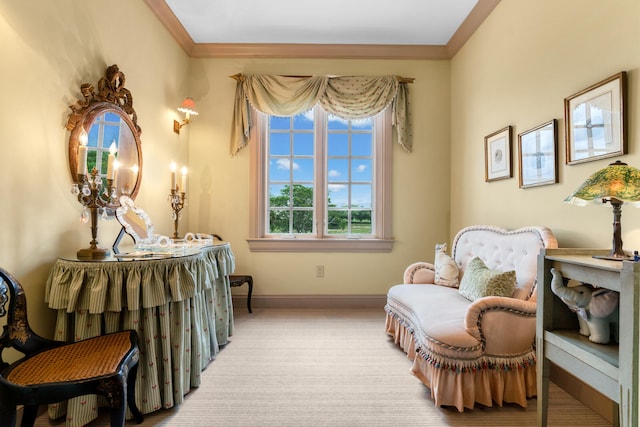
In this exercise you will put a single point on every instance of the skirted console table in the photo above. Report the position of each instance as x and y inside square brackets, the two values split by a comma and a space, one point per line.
[180, 306]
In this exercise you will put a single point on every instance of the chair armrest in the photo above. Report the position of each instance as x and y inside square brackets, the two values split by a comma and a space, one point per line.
[505, 325]
[420, 272]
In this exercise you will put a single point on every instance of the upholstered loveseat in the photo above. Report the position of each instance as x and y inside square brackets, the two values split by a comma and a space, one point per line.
[467, 347]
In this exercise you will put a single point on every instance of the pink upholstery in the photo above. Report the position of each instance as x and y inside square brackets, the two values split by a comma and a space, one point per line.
[481, 351]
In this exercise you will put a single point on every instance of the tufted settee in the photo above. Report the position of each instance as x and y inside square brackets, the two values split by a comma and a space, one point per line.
[469, 351]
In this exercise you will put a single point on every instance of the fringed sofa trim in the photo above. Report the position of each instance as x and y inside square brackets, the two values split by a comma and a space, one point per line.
[505, 364]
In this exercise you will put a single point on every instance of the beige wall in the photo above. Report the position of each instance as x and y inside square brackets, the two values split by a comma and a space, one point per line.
[516, 70]
[420, 180]
[48, 49]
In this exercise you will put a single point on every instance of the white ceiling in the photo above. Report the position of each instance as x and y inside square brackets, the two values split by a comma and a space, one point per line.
[384, 22]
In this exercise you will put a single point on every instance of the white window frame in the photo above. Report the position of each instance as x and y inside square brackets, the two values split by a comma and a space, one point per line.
[381, 240]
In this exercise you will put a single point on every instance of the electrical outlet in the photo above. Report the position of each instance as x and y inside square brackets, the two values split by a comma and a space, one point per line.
[319, 270]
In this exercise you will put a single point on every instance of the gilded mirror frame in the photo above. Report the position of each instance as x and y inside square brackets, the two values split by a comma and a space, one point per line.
[111, 97]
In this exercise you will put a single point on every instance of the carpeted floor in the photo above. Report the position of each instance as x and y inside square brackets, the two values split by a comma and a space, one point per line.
[328, 368]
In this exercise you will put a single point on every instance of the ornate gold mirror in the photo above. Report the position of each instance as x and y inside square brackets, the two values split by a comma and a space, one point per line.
[104, 130]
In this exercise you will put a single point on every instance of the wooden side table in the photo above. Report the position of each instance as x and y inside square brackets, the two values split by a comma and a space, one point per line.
[612, 368]
[239, 280]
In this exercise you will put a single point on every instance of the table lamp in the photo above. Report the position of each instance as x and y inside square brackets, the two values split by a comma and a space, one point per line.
[616, 184]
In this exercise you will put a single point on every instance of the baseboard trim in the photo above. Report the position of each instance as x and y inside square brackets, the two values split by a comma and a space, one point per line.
[311, 301]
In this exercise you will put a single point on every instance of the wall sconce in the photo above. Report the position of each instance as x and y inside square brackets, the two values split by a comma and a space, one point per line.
[188, 107]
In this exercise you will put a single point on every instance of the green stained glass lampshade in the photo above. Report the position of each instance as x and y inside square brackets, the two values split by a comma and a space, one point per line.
[618, 180]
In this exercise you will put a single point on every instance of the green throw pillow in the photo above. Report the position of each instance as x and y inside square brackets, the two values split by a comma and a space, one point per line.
[479, 281]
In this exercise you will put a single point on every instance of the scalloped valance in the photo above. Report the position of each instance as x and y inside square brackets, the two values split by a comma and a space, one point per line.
[348, 97]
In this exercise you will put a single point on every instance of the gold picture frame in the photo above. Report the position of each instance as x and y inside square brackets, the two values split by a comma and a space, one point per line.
[497, 155]
[596, 122]
[537, 155]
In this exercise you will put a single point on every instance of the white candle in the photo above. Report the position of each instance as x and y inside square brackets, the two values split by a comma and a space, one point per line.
[116, 166]
[184, 179]
[111, 159]
[173, 175]
[82, 153]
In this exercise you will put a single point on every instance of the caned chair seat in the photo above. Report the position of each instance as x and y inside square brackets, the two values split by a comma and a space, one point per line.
[53, 371]
[84, 360]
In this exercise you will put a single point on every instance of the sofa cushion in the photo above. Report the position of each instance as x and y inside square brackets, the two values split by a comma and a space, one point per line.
[437, 314]
[446, 269]
[480, 281]
[504, 250]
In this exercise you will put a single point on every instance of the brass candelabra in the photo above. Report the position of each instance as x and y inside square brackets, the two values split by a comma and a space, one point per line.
[93, 197]
[177, 200]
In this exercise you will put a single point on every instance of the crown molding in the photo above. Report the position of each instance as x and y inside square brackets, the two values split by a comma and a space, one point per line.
[334, 51]
[477, 15]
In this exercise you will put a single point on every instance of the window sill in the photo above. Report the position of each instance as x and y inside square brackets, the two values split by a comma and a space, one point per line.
[320, 245]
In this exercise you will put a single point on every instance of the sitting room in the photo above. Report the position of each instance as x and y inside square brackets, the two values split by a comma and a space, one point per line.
[313, 167]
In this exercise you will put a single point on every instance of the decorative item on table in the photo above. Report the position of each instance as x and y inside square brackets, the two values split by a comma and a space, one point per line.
[135, 222]
[177, 197]
[616, 184]
[198, 239]
[597, 308]
[94, 197]
[188, 107]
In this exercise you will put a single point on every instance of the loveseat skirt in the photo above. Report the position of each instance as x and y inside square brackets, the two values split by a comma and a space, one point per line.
[485, 386]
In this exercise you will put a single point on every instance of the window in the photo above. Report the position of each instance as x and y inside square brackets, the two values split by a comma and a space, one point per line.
[321, 183]
[104, 132]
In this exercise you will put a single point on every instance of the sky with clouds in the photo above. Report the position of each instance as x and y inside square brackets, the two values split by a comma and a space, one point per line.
[349, 160]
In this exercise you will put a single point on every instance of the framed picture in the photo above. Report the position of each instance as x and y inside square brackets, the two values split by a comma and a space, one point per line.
[537, 159]
[595, 121]
[497, 155]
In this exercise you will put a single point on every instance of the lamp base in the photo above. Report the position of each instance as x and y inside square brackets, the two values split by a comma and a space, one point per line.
[93, 254]
[614, 257]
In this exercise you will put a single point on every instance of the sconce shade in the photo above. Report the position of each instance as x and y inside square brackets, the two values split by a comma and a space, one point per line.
[188, 106]
[616, 184]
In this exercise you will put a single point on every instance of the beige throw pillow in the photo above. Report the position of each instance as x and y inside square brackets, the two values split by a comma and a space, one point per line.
[479, 281]
[446, 268]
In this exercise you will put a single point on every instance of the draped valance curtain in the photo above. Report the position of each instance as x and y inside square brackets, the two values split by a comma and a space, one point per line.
[348, 97]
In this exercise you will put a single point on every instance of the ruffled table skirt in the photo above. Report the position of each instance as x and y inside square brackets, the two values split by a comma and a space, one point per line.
[180, 307]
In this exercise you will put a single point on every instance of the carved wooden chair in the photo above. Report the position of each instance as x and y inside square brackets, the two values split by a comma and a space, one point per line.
[52, 371]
